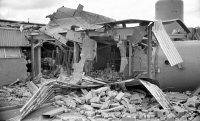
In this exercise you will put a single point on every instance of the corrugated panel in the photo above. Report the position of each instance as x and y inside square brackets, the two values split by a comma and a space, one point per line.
[166, 44]
[2, 52]
[12, 38]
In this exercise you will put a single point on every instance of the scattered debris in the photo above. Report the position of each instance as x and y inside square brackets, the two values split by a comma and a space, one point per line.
[15, 94]
[109, 103]
[54, 112]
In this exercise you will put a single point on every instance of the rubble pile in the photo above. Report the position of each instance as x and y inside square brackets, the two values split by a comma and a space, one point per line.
[105, 75]
[107, 104]
[16, 94]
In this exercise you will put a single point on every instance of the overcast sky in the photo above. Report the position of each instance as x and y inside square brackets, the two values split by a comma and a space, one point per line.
[37, 10]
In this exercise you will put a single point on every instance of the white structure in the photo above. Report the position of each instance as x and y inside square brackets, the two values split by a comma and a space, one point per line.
[169, 9]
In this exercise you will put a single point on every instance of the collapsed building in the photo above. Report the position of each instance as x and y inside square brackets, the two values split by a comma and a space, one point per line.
[80, 49]
[13, 43]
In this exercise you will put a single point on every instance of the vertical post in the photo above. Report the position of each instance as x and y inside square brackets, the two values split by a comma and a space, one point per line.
[130, 58]
[57, 56]
[32, 58]
[75, 52]
[39, 59]
[149, 51]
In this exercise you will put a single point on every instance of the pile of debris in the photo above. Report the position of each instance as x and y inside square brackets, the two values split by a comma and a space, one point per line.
[108, 104]
[15, 94]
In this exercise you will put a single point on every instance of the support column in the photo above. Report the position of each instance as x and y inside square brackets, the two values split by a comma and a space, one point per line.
[76, 52]
[32, 58]
[39, 59]
[149, 52]
[130, 58]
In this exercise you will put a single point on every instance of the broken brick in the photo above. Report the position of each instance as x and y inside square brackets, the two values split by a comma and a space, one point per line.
[88, 96]
[119, 96]
[88, 107]
[59, 102]
[90, 113]
[128, 119]
[105, 105]
[95, 99]
[161, 113]
[102, 89]
[193, 102]
[112, 93]
[96, 105]
[178, 111]
[54, 112]
[171, 117]
[132, 109]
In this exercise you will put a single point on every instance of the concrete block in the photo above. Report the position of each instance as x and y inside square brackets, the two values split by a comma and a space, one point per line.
[102, 89]
[179, 111]
[171, 117]
[96, 105]
[87, 107]
[128, 119]
[132, 109]
[105, 105]
[119, 96]
[193, 102]
[90, 113]
[112, 93]
[161, 113]
[95, 100]
[88, 96]
[54, 112]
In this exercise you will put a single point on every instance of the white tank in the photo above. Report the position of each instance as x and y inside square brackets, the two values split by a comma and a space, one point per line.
[169, 9]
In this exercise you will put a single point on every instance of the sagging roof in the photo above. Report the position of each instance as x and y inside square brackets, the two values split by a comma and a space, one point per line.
[89, 17]
[179, 22]
[127, 21]
[13, 33]
[67, 23]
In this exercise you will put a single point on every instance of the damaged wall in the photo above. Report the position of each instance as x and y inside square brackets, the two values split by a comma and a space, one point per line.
[12, 63]
[12, 69]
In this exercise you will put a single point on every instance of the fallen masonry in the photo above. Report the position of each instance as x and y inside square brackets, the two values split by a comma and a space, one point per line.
[99, 102]
[14, 95]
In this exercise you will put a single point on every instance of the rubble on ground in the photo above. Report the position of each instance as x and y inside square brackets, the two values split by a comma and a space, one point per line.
[98, 100]
[108, 104]
[14, 94]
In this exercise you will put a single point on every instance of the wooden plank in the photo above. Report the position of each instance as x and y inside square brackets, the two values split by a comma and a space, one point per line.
[92, 79]
[33, 88]
[196, 91]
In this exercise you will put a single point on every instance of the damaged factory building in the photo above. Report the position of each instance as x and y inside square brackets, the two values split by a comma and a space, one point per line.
[83, 66]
